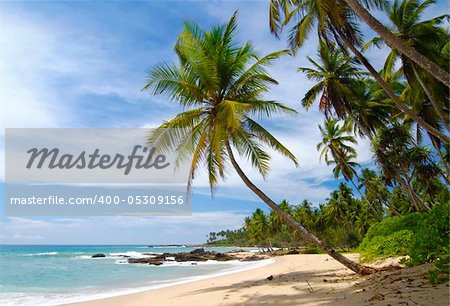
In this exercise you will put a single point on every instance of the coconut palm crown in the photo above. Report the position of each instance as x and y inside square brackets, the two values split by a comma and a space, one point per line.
[220, 85]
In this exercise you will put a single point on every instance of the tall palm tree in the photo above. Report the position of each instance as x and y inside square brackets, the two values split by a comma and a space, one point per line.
[222, 84]
[345, 91]
[335, 21]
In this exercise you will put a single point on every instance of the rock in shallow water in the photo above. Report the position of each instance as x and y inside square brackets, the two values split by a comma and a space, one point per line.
[193, 257]
[98, 255]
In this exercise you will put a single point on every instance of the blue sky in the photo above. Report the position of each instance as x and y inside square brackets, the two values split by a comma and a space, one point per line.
[82, 64]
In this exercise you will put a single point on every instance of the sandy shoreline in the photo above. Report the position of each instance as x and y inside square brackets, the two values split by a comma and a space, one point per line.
[297, 280]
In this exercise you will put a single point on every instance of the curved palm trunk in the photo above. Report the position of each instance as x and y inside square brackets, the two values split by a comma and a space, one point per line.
[430, 96]
[291, 221]
[400, 104]
[399, 44]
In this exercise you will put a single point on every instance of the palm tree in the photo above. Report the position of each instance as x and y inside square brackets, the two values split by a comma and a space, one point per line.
[375, 190]
[345, 92]
[276, 221]
[338, 205]
[336, 75]
[304, 214]
[334, 143]
[428, 38]
[278, 225]
[335, 21]
[424, 108]
[222, 84]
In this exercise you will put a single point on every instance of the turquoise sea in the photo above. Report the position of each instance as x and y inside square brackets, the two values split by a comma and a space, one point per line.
[51, 275]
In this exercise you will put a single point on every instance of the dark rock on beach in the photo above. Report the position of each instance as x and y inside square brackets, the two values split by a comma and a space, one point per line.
[197, 251]
[181, 257]
[139, 260]
[252, 258]
[292, 252]
[155, 262]
[223, 257]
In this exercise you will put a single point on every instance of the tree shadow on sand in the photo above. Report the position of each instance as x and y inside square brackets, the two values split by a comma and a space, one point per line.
[408, 286]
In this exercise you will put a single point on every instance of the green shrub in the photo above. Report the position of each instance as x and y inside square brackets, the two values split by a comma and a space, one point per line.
[393, 224]
[431, 238]
[376, 242]
[423, 237]
[440, 273]
[395, 244]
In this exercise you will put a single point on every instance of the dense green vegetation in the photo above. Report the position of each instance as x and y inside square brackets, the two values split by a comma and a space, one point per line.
[424, 237]
[347, 223]
[401, 109]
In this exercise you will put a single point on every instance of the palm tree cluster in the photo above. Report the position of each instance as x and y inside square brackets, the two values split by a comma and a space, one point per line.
[221, 86]
[341, 222]
[422, 47]
[349, 95]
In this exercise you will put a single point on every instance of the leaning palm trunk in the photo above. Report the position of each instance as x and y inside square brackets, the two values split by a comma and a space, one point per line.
[383, 202]
[408, 180]
[399, 44]
[399, 103]
[430, 96]
[417, 202]
[291, 221]
[363, 197]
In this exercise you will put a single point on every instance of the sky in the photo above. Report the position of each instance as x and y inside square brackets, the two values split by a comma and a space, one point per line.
[82, 64]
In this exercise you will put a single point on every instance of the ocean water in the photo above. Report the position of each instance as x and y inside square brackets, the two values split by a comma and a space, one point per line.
[51, 275]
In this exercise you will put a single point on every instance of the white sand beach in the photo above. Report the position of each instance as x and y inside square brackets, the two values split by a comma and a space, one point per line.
[297, 280]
